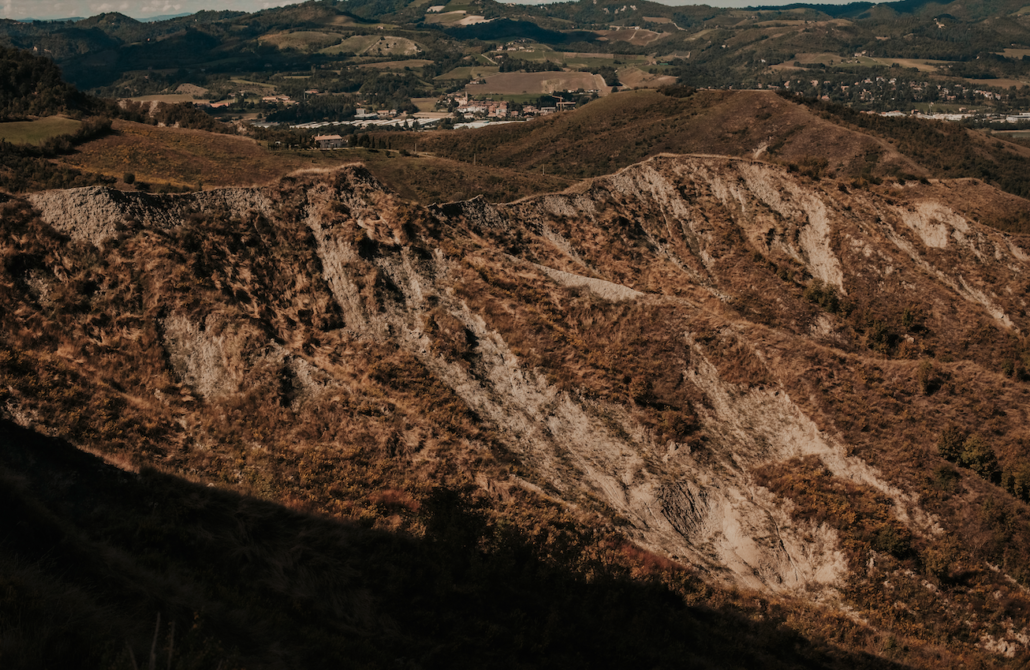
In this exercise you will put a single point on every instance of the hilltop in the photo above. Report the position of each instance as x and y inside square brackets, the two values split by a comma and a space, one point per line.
[33, 87]
[625, 128]
[506, 162]
[818, 138]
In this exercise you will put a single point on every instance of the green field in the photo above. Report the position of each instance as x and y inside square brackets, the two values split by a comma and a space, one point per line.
[578, 60]
[303, 40]
[247, 82]
[947, 108]
[35, 132]
[467, 72]
[446, 18]
[170, 98]
[424, 104]
[412, 64]
[375, 45]
[521, 98]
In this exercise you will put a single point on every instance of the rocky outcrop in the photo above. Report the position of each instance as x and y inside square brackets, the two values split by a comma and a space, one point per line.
[745, 268]
[95, 214]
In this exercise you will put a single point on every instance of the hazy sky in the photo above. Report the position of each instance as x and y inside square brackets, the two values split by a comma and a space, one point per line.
[56, 9]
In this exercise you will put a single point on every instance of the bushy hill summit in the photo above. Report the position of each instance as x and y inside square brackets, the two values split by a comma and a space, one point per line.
[717, 390]
[32, 86]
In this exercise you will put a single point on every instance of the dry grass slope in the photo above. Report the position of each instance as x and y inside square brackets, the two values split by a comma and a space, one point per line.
[190, 158]
[543, 402]
[625, 128]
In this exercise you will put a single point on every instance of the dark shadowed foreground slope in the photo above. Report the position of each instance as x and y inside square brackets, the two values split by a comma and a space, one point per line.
[92, 555]
[701, 387]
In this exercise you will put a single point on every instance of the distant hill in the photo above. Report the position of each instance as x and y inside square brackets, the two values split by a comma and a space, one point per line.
[967, 9]
[717, 47]
[164, 17]
[624, 128]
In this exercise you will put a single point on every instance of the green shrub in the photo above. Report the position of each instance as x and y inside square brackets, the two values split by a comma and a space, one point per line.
[881, 337]
[944, 478]
[949, 444]
[927, 377]
[825, 295]
[892, 539]
[978, 456]
[973, 452]
[1017, 481]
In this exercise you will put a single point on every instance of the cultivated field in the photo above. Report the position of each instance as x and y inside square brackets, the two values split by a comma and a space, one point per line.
[539, 82]
[413, 64]
[810, 59]
[455, 18]
[576, 59]
[170, 98]
[640, 37]
[469, 72]
[921, 64]
[372, 45]
[999, 83]
[424, 104]
[248, 86]
[34, 132]
[632, 77]
[701, 33]
[304, 40]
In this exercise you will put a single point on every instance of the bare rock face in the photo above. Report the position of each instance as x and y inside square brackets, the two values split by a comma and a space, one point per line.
[95, 213]
[645, 346]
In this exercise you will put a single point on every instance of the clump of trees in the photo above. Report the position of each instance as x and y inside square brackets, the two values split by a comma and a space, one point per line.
[31, 86]
[972, 452]
[181, 115]
[520, 65]
[317, 108]
[975, 452]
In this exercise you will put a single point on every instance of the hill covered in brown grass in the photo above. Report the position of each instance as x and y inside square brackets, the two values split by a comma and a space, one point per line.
[183, 158]
[506, 162]
[704, 411]
[625, 128]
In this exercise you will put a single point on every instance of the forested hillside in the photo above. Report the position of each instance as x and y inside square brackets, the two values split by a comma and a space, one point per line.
[32, 86]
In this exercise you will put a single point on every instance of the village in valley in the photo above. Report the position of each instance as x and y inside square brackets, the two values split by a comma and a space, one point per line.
[320, 72]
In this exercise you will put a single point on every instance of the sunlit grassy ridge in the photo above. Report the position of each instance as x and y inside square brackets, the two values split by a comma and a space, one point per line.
[189, 158]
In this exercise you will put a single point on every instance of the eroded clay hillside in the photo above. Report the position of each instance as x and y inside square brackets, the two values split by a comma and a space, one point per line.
[796, 388]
